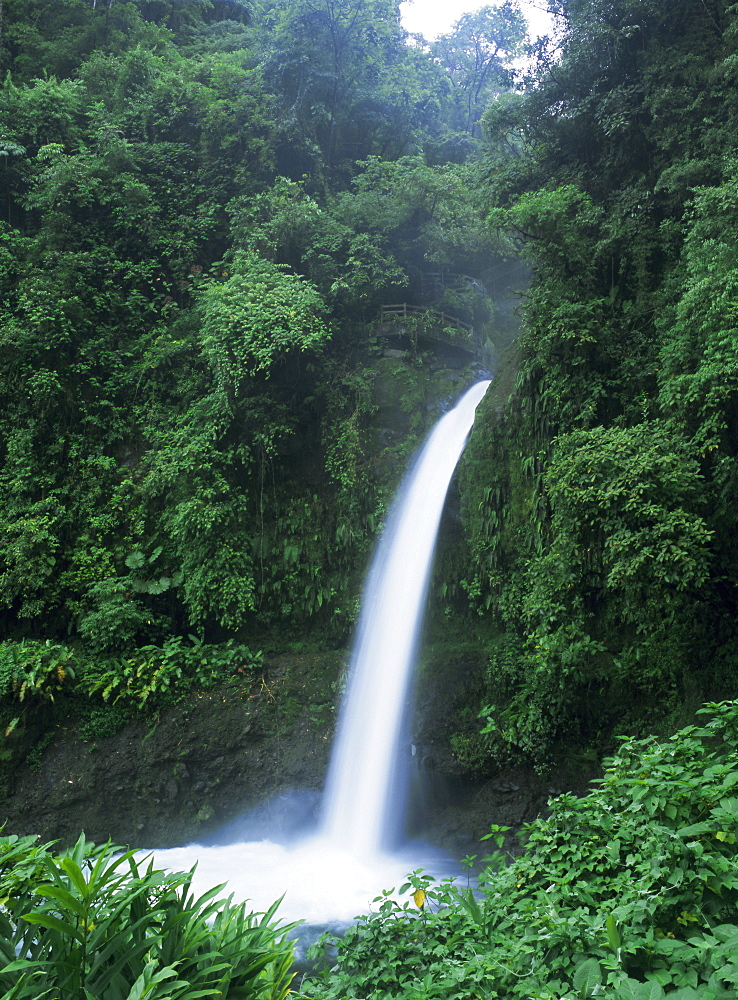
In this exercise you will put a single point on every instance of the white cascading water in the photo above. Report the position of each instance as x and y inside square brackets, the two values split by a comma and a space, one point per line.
[335, 875]
[361, 797]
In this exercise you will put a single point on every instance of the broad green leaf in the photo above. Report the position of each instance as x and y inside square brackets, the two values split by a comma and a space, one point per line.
[51, 922]
[613, 935]
[77, 877]
[586, 977]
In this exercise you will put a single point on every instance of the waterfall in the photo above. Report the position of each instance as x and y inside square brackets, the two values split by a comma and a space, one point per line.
[333, 876]
[362, 798]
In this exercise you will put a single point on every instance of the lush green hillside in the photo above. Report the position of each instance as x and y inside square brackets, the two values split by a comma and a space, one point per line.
[601, 505]
[206, 205]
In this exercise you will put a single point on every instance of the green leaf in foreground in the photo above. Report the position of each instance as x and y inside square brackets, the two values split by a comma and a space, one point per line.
[101, 923]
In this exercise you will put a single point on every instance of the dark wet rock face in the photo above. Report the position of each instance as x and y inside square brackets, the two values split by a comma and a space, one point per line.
[239, 764]
[175, 780]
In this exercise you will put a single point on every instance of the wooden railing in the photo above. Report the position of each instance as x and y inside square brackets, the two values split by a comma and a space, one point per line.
[403, 310]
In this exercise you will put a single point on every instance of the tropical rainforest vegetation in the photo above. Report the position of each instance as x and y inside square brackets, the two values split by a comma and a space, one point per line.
[628, 893]
[205, 204]
[605, 539]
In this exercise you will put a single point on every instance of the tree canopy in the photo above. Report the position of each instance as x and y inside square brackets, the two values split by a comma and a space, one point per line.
[206, 205]
[607, 544]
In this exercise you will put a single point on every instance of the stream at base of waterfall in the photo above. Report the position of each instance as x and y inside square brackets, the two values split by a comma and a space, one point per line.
[330, 877]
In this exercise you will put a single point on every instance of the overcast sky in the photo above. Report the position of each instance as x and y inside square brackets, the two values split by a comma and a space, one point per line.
[435, 17]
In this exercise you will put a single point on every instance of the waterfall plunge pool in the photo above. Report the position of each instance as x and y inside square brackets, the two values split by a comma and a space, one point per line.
[323, 884]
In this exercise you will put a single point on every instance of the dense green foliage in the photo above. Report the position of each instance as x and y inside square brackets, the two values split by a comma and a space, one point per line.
[100, 922]
[207, 203]
[629, 892]
[37, 671]
[601, 507]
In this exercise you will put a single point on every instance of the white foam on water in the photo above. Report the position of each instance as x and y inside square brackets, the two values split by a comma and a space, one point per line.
[322, 884]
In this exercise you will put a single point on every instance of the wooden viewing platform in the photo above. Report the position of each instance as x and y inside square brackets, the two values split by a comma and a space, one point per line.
[404, 311]
[436, 326]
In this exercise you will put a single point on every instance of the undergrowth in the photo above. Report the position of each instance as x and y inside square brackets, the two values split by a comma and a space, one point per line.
[35, 672]
[630, 892]
[95, 922]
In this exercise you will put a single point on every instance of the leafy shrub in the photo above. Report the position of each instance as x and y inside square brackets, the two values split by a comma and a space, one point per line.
[95, 922]
[115, 617]
[257, 316]
[156, 674]
[629, 892]
[105, 720]
[152, 675]
[472, 752]
[31, 669]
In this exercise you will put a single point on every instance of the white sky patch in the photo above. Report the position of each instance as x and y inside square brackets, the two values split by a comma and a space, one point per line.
[431, 18]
